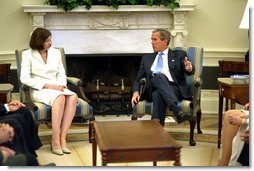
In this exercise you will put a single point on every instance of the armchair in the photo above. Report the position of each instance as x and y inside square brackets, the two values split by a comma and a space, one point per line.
[194, 82]
[42, 112]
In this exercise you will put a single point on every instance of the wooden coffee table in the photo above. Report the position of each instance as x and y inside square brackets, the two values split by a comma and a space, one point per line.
[133, 141]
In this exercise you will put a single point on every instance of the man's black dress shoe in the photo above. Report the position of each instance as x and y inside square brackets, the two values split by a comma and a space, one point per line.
[183, 116]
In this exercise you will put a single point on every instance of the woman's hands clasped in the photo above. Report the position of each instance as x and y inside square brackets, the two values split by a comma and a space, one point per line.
[54, 87]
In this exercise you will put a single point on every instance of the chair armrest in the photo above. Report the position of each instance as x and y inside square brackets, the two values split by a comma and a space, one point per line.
[197, 82]
[31, 104]
[75, 81]
[142, 83]
[196, 91]
[79, 85]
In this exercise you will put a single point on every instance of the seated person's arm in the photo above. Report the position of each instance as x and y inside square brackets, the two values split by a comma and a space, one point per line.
[135, 98]
[5, 153]
[6, 133]
[245, 135]
[246, 106]
[241, 119]
[188, 67]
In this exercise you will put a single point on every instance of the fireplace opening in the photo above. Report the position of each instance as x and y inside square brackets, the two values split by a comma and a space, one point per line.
[107, 78]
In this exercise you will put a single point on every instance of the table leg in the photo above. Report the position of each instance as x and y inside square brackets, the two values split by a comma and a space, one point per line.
[104, 159]
[226, 108]
[220, 119]
[232, 104]
[177, 158]
[94, 147]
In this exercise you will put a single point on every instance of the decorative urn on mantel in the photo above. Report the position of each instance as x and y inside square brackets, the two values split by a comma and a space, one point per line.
[119, 27]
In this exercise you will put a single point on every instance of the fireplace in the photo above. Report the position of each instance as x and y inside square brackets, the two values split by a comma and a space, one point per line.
[104, 46]
[107, 79]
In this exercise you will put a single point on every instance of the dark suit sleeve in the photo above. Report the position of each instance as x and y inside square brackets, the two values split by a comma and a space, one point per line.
[180, 74]
[141, 74]
[1, 158]
[2, 110]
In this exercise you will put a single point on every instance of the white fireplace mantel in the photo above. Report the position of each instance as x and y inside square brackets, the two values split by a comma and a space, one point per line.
[102, 8]
[106, 30]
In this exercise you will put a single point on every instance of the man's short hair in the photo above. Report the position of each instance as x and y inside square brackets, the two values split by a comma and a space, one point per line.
[164, 34]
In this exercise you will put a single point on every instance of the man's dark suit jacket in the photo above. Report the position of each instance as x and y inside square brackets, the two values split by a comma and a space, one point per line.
[2, 110]
[177, 71]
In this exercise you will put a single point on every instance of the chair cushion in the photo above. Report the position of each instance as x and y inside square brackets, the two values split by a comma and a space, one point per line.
[184, 106]
[44, 111]
[144, 107]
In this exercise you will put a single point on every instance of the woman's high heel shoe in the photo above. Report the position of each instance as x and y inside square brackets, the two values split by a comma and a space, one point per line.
[56, 151]
[66, 150]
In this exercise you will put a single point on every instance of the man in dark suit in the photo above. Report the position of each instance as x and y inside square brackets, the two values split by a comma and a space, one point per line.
[18, 136]
[165, 84]
[16, 156]
[17, 115]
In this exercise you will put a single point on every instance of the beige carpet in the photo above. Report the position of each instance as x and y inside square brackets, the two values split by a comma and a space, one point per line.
[205, 153]
[178, 131]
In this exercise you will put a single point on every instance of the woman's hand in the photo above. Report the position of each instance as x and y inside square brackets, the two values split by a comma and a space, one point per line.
[246, 106]
[235, 120]
[245, 135]
[54, 87]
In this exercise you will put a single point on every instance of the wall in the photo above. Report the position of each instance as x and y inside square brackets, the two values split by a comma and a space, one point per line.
[15, 28]
[212, 25]
[216, 27]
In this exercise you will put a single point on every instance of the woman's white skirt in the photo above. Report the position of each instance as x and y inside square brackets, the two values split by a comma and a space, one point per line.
[48, 96]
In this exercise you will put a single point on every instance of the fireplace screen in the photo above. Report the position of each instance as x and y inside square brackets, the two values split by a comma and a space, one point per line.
[107, 79]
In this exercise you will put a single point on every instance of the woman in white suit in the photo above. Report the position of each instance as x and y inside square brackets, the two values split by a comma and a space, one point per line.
[42, 69]
[235, 122]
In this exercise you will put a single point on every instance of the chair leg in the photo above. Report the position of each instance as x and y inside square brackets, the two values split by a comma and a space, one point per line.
[134, 117]
[199, 113]
[192, 122]
[90, 129]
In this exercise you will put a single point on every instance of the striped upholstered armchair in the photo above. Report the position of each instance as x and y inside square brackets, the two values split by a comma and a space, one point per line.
[41, 111]
[195, 55]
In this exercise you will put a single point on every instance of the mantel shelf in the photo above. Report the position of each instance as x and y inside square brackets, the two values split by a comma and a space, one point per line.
[102, 8]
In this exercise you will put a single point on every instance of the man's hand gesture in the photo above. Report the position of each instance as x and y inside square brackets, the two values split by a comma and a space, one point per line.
[187, 64]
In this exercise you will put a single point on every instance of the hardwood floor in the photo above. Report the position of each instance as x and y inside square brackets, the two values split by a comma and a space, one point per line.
[205, 153]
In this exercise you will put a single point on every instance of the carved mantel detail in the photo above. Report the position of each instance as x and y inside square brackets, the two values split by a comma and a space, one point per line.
[131, 20]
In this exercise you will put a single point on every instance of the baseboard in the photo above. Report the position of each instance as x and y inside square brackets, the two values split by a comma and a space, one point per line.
[210, 102]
